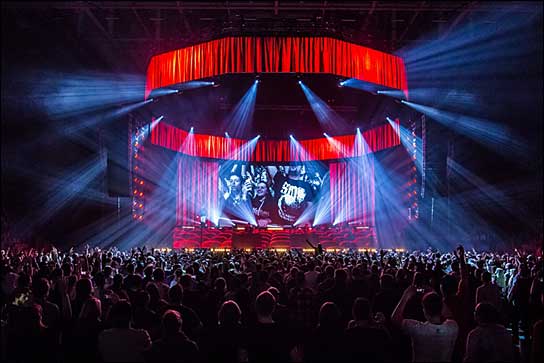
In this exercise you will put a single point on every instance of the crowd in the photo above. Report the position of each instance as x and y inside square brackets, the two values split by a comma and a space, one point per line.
[247, 306]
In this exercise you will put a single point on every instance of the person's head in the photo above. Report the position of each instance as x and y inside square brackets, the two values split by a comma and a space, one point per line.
[84, 288]
[235, 182]
[361, 309]
[40, 288]
[148, 271]
[485, 313]
[261, 189]
[171, 322]
[130, 268]
[175, 294]
[91, 309]
[387, 281]
[31, 318]
[120, 314]
[340, 276]
[153, 291]
[265, 304]
[229, 313]
[432, 306]
[486, 277]
[158, 275]
[220, 284]
[524, 271]
[419, 280]
[329, 315]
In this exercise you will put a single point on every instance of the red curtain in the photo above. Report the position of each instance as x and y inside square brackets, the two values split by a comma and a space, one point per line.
[352, 191]
[197, 189]
[217, 147]
[275, 54]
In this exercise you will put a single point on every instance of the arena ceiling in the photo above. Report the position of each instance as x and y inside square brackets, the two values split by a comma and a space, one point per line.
[137, 30]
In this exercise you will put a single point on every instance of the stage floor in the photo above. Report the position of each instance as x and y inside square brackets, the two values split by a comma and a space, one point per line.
[333, 237]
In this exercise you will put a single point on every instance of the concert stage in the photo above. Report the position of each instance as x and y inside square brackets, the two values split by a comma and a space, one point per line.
[265, 160]
[273, 237]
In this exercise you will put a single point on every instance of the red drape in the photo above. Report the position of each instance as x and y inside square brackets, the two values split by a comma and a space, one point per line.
[352, 191]
[217, 147]
[275, 54]
[197, 189]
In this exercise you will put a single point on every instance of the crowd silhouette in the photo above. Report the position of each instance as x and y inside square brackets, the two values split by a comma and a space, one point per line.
[163, 305]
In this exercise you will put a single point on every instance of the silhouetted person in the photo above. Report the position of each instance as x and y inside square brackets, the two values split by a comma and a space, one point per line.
[326, 341]
[226, 342]
[266, 340]
[489, 341]
[366, 337]
[432, 340]
[174, 345]
[121, 343]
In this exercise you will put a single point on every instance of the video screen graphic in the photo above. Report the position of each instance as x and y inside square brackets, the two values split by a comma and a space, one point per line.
[265, 195]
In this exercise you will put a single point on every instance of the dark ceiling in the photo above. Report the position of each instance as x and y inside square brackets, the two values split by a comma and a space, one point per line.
[134, 31]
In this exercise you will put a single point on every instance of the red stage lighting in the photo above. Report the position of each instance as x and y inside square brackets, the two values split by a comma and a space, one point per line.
[135, 191]
[142, 182]
[141, 194]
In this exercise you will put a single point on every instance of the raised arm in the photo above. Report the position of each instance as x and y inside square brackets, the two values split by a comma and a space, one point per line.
[398, 314]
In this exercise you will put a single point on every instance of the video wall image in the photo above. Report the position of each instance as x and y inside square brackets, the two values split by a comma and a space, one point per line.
[270, 194]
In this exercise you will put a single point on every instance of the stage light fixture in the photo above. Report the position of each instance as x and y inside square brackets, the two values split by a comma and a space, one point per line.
[227, 135]
[191, 130]
[326, 135]
[299, 82]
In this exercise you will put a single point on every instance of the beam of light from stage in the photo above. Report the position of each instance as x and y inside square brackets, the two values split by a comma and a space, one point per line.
[476, 42]
[100, 118]
[194, 84]
[180, 88]
[65, 95]
[393, 93]
[237, 122]
[362, 85]
[409, 141]
[496, 137]
[69, 187]
[474, 64]
[326, 116]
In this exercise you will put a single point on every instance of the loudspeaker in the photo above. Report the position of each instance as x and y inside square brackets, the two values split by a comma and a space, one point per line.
[118, 173]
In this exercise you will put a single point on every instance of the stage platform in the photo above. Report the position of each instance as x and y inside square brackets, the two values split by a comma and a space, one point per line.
[277, 237]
